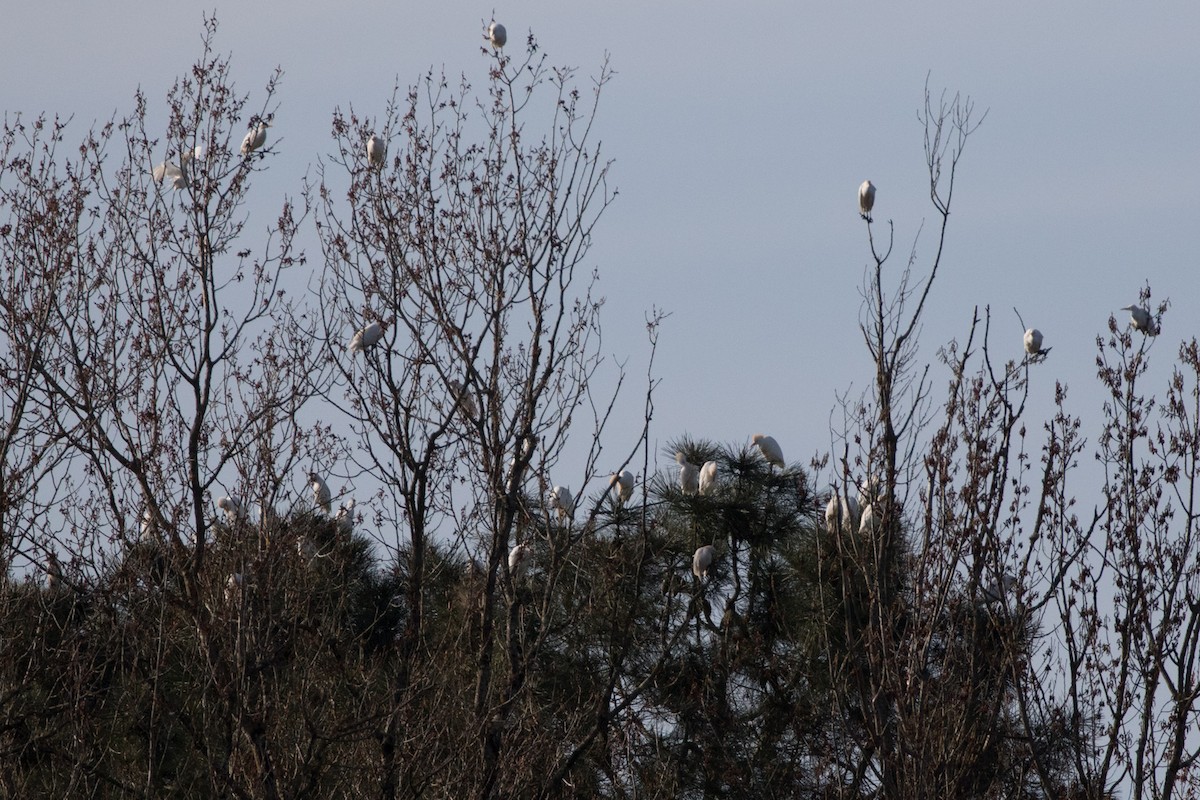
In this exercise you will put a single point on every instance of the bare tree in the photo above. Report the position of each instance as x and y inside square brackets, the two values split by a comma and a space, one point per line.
[36, 246]
[987, 639]
[930, 628]
[161, 357]
[462, 339]
[1128, 643]
[965, 630]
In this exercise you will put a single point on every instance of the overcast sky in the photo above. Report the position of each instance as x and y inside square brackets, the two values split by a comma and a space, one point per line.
[740, 136]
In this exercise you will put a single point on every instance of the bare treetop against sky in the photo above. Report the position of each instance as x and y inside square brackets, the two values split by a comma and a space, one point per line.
[397, 360]
[740, 140]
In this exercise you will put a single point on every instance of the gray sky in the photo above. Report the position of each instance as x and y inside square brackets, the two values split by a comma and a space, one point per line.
[740, 137]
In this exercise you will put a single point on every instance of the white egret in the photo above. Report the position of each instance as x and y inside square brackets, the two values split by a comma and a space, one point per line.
[497, 35]
[518, 560]
[1141, 320]
[1033, 343]
[624, 483]
[563, 502]
[176, 174]
[527, 448]
[321, 495]
[528, 444]
[868, 490]
[255, 138]
[689, 474]
[868, 522]
[770, 449]
[376, 151]
[866, 200]
[708, 478]
[995, 592]
[147, 524]
[233, 589]
[702, 560]
[841, 513]
[365, 337]
[53, 573]
[464, 399]
[306, 548]
[232, 508]
[345, 518]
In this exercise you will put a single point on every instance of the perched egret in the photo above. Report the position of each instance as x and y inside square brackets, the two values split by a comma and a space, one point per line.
[528, 444]
[1141, 320]
[527, 448]
[232, 508]
[1033, 343]
[563, 502]
[770, 448]
[624, 483]
[995, 592]
[708, 478]
[368, 336]
[689, 474]
[518, 560]
[866, 200]
[868, 521]
[178, 175]
[255, 138]
[306, 548]
[345, 518]
[497, 35]
[233, 589]
[464, 399]
[147, 524]
[702, 560]
[53, 573]
[841, 513]
[321, 495]
[868, 490]
[376, 151]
